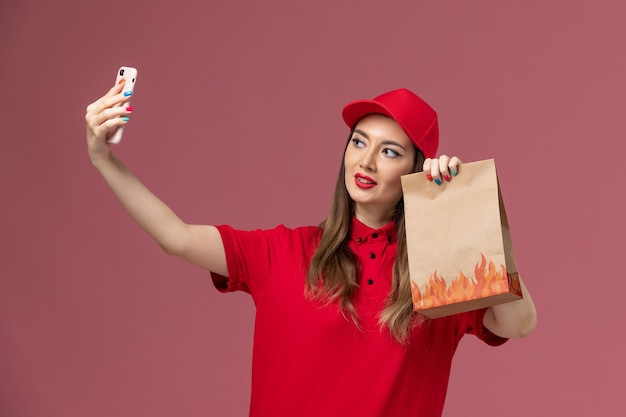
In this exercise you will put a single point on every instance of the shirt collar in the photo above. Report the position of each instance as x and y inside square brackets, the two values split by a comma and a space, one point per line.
[361, 233]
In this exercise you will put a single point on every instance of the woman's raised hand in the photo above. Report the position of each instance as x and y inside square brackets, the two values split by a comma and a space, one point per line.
[441, 169]
[103, 119]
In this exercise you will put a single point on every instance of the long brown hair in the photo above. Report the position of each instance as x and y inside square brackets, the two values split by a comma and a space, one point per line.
[332, 273]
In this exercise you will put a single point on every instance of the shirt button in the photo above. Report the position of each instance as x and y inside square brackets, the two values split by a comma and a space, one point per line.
[372, 255]
[370, 281]
[359, 240]
[375, 235]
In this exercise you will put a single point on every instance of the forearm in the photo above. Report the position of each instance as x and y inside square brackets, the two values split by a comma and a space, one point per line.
[154, 216]
[513, 319]
[199, 244]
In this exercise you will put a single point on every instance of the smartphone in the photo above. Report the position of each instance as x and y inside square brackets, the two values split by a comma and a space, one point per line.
[130, 74]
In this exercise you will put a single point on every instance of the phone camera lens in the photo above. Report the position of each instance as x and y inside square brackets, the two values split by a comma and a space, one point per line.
[122, 71]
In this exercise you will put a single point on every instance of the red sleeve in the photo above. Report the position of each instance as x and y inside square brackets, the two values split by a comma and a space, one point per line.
[249, 258]
[472, 323]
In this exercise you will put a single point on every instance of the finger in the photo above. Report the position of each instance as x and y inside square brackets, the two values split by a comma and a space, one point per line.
[95, 120]
[116, 89]
[113, 101]
[114, 123]
[454, 166]
[110, 113]
[112, 97]
[434, 171]
[444, 160]
[426, 168]
[108, 126]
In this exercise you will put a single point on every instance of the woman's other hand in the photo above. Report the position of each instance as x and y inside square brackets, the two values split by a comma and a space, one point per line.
[102, 119]
[441, 169]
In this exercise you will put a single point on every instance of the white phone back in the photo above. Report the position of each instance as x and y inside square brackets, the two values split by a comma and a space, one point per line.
[131, 78]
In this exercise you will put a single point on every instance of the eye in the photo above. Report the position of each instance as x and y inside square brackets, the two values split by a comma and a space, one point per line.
[358, 142]
[390, 153]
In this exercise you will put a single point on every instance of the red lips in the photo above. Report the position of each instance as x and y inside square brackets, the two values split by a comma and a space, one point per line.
[363, 181]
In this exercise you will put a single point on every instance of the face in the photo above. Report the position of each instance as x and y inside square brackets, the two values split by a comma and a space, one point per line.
[378, 153]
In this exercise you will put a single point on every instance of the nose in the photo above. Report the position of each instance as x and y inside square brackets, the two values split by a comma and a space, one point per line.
[368, 162]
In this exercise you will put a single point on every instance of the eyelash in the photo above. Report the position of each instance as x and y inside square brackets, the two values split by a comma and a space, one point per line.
[356, 141]
[395, 154]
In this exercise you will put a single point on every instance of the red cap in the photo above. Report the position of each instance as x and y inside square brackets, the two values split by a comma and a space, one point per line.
[414, 115]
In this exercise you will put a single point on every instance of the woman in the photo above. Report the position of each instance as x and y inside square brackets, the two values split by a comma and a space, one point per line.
[335, 333]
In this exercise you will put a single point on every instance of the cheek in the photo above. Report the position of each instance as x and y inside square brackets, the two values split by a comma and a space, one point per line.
[349, 162]
[395, 182]
[349, 156]
[396, 186]
[399, 171]
[346, 170]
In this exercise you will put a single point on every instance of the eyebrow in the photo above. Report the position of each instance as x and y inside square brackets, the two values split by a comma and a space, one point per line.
[385, 142]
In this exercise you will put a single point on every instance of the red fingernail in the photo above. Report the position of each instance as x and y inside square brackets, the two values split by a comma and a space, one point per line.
[129, 109]
[446, 177]
[429, 177]
[121, 80]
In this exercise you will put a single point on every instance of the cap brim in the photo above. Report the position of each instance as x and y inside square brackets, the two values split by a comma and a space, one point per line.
[356, 110]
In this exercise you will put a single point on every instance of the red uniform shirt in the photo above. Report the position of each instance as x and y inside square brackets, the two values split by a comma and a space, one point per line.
[308, 360]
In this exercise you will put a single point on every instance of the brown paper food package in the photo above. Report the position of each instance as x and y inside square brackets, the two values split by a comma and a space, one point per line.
[459, 244]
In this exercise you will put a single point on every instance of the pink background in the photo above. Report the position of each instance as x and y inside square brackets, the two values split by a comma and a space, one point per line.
[238, 121]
